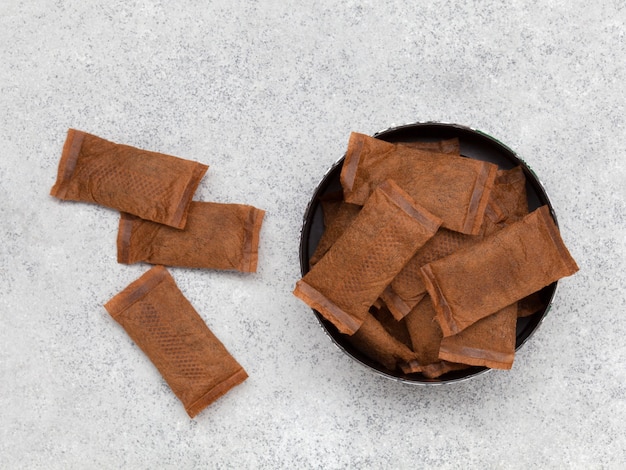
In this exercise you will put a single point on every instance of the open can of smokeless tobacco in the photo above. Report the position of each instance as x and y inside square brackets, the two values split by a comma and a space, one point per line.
[473, 144]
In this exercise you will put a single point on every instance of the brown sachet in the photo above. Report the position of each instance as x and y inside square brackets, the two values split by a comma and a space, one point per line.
[162, 322]
[217, 236]
[530, 305]
[425, 335]
[407, 289]
[509, 265]
[437, 369]
[395, 328]
[351, 276]
[507, 204]
[454, 188]
[338, 215]
[150, 185]
[489, 342]
[449, 146]
[373, 340]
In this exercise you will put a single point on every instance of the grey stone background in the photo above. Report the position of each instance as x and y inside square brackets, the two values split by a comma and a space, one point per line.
[267, 93]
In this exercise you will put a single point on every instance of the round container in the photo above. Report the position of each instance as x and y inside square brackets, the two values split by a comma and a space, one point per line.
[474, 144]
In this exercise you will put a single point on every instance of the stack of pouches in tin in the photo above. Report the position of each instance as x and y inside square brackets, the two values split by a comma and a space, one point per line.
[428, 258]
[161, 225]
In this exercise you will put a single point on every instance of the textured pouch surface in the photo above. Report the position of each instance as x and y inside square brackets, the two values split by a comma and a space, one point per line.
[162, 322]
[150, 185]
[453, 188]
[489, 342]
[507, 204]
[373, 340]
[217, 236]
[506, 267]
[346, 282]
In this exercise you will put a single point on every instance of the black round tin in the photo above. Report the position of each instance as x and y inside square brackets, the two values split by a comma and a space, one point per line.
[474, 144]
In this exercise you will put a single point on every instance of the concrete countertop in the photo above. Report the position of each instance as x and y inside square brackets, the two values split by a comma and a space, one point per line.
[267, 93]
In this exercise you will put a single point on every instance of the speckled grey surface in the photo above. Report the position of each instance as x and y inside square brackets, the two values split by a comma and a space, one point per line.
[267, 93]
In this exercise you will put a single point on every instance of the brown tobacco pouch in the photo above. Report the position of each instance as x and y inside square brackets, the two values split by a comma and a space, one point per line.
[150, 185]
[338, 215]
[407, 289]
[373, 340]
[395, 328]
[425, 335]
[449, 146]
[162, 322]
[489, 342]
[506, 267]
[530, 305]
[346, 282]
[507, 204]
[453, 188]
[509, 200]
[432, 371]
[217, 236]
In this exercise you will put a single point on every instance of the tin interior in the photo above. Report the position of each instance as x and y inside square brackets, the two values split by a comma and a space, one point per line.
[474, 144]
